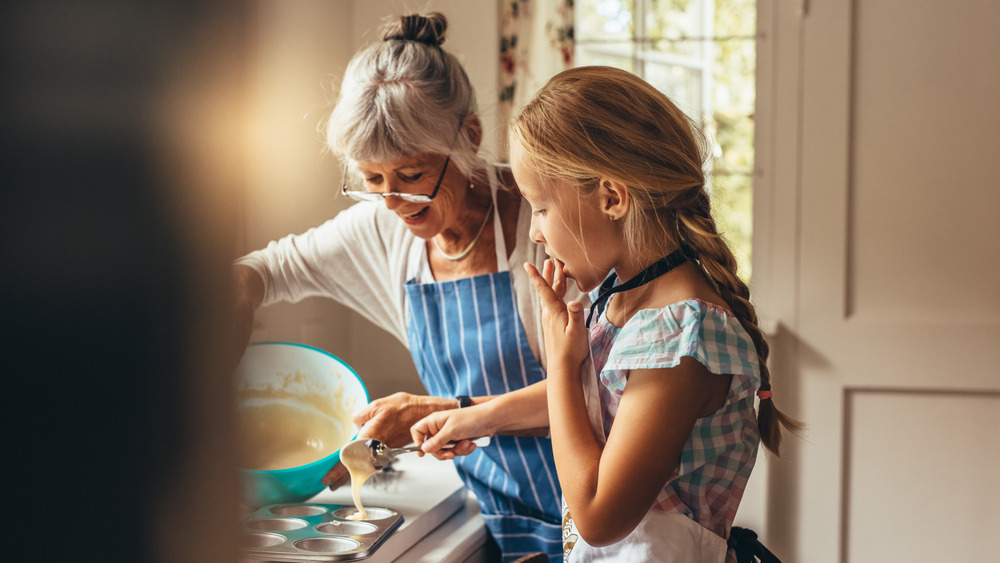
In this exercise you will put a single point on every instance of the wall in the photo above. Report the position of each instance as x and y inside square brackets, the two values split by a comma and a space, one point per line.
[876, 259]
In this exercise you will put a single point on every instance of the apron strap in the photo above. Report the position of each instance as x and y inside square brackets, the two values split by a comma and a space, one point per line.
[500, 245]
[657, 269]
[748, 548]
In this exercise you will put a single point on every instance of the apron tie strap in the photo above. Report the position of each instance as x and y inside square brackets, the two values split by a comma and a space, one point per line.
[657, 269]
[748, 548]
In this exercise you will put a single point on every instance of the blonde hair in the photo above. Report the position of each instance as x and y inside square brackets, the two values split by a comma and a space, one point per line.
[589, 123]
[405, 95]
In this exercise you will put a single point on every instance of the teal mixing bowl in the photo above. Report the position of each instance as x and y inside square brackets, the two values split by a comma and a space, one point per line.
[294, 407]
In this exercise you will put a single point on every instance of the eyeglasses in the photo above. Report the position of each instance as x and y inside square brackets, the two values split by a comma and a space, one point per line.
[360, 195]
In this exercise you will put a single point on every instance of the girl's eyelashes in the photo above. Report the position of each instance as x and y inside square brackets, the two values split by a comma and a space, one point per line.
[539, 212]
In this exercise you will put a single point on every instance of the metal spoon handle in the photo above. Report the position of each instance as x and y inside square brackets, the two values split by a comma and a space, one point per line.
[403, 450]
[479, 442]
[382, 456]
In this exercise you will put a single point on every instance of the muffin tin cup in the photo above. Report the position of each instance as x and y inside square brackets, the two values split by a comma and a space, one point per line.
[315, 532]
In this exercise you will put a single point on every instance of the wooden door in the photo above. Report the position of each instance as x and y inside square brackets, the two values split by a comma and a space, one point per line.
[878, 255]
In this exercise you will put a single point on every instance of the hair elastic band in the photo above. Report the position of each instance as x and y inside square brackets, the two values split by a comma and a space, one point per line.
[764, 394]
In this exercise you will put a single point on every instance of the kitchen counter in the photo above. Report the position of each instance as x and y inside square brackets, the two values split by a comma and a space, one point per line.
[441, 521]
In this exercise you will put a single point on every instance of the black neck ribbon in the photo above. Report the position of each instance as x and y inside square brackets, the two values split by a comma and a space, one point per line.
[655, 270]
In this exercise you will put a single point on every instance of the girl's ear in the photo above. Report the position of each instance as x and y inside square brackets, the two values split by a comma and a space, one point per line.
[615, 198]
[474, 128]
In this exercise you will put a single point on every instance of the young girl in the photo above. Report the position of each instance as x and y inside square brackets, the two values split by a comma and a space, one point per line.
[653, 447]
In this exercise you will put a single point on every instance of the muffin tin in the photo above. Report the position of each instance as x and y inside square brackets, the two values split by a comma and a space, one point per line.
[315, 532]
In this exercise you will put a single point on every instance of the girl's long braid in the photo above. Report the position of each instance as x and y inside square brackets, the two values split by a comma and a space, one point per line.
[697, 229]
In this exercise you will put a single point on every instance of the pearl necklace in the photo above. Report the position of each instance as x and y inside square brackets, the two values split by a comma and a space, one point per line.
[468, 249]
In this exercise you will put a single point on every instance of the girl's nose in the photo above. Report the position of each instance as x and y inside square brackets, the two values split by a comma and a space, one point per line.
[535, 234]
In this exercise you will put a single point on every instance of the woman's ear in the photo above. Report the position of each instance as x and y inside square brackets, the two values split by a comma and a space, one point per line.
[615, 198]
[474, 129]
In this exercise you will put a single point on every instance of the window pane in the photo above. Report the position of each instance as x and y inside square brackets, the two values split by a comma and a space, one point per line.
[678, 26]
[602, 57]
[732, 204]
[736, 17]
[735, 56]
[733, 99]
[681, 84]
[732, 183]
[603, 20]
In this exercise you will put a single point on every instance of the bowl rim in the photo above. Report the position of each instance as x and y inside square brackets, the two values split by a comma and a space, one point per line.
[326, 459]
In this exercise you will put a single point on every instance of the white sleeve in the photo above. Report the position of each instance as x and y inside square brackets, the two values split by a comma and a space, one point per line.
[359, 258]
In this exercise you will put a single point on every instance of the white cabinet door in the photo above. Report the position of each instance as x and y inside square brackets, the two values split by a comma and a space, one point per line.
[877, 215]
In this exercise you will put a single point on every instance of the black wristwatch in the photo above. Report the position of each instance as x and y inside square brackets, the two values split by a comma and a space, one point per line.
[464, 401]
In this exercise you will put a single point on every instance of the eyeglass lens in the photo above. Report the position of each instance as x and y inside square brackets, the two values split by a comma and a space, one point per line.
[413, 198]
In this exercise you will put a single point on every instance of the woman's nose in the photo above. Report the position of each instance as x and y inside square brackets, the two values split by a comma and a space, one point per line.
[391, 203]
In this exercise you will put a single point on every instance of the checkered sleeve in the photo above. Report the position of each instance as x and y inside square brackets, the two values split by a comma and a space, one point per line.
[703, 331]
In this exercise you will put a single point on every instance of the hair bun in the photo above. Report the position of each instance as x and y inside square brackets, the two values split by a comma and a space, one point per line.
[427, 29]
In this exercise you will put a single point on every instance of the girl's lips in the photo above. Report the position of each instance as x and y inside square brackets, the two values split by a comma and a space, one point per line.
[567, 274]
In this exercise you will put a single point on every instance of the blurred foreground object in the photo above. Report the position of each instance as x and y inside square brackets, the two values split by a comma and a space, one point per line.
[120, 145]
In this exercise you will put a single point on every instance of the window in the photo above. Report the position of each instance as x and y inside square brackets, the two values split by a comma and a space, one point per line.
[701, 53]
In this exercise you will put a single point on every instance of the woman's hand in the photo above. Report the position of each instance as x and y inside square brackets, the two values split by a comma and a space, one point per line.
[435, 431]
[562, 324]
[388, 420]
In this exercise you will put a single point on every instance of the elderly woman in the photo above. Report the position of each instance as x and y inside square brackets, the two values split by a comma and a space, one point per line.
[433, 255]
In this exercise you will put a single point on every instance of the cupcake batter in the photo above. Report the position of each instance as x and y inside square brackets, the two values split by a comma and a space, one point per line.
[357, 459]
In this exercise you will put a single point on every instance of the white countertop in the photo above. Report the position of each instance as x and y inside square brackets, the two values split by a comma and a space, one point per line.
[441, 521]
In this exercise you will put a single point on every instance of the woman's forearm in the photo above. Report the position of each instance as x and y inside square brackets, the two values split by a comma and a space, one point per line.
[248, 286]
[247, 295]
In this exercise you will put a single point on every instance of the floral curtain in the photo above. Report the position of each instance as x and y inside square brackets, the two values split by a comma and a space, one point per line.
[536, 42]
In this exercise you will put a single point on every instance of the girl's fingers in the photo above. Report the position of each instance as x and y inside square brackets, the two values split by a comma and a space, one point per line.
[547, 271]
[464, 447]
[558, 281]
[575, 323]
[436, 430]
[427, 433]
[419, 432]
[549, 298]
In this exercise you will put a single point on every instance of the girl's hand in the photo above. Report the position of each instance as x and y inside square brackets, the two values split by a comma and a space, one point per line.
[437, 430]
[562, 323]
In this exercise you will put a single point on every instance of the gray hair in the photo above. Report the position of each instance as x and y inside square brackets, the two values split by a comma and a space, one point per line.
[404, 96]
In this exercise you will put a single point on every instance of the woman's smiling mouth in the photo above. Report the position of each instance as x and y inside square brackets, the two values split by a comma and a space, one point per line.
[415, 217]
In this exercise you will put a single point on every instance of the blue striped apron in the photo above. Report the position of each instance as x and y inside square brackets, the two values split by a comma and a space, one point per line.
[466, 338]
